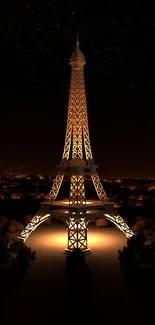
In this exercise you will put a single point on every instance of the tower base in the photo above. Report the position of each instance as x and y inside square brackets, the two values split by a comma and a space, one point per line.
[84, 251]
[77, 234]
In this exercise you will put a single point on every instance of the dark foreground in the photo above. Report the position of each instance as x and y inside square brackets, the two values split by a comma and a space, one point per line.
[54, 291]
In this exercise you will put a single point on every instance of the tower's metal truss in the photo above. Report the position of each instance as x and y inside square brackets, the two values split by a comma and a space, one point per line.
[99, 188]
[35, 222]
[56, 187]
[87, 146]
[77, 134]
[77, 191]
[77, 233]
[119, 222]
[77, 148]
[67, 145]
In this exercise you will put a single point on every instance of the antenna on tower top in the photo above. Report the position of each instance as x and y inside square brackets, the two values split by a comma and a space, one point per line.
[77, 42]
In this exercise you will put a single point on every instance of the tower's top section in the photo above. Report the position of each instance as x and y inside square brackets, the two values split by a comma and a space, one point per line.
[77, 57]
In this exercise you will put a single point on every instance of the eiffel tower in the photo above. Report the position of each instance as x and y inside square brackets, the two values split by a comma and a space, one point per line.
[77, 211]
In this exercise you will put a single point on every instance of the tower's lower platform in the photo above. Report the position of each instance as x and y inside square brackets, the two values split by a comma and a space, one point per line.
[84, 251]
[76, 218]
[92, 208]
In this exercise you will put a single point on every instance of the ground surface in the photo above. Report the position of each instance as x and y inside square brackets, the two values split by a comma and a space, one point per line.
[45, 296]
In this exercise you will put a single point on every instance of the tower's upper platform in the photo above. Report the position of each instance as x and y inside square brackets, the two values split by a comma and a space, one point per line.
[77, 56]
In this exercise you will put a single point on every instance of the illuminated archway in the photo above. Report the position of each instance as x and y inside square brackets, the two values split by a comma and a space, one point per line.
[120, 223]
[38, 219]
[32, 225]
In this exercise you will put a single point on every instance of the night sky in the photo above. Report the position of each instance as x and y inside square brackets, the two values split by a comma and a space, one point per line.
[36, 41]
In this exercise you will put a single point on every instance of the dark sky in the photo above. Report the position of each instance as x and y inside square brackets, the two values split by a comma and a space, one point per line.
[36, 41]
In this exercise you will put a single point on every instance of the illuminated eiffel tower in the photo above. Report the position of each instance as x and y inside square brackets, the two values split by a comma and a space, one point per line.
[77, 211]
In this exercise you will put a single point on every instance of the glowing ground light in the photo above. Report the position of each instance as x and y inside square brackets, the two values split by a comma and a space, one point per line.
[59, 240]
[54, 239]
[96, 240]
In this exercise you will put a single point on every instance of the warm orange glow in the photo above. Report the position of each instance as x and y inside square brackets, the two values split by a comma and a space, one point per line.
[56, 239]
[59, 240]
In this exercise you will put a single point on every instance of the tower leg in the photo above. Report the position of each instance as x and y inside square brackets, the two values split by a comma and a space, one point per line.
[55, 188]
[99, 188]
[41, 216]
[77, 234]
[35, 222]
[119, 222]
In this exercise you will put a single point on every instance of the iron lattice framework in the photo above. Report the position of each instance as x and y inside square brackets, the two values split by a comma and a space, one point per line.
[77, 191]
[77, 137]
[77, 233]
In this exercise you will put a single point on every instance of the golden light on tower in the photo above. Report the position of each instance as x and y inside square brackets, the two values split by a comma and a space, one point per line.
[77, 163]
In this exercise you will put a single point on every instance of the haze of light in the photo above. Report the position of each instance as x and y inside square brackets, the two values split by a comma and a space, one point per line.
[54, 238]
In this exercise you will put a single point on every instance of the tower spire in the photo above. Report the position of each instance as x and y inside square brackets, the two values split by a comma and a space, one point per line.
[77, 43]
[77, 56]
